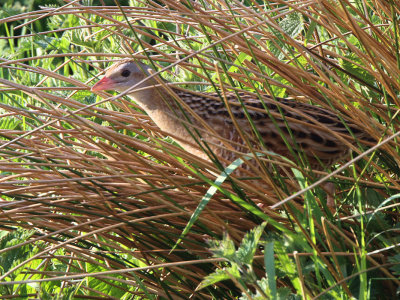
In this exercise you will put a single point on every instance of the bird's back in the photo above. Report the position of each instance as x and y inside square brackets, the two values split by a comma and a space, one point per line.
[313, 130]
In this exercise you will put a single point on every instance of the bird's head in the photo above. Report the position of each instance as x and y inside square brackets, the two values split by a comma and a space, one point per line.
[124, 75]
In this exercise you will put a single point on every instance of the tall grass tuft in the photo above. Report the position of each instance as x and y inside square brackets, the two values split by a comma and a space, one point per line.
[96, 199]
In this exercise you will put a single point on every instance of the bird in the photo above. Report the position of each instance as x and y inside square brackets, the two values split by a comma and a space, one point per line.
[285, 126]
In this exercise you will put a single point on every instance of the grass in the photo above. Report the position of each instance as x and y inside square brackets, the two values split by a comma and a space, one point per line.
[95, 196]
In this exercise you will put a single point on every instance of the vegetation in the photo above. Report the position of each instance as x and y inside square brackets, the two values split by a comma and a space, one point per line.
[97, 202]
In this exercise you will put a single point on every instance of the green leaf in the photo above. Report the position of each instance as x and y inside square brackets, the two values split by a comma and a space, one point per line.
[351, 66]
[292, 24]
[281, 294]
[269, 262]
[9, 259]
[287, 266]
[310, 30]
[44, 42]
[225, 248]
[396, 267]
[219, 275]
[248, 246]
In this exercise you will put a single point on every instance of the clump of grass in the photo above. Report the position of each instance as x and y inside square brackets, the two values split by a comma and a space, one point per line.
[106, 196]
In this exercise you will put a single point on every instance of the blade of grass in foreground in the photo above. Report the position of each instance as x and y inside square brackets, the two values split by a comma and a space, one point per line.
[216, 186]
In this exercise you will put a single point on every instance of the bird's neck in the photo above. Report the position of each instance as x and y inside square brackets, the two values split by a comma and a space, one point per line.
[158, 104]
[162, 108]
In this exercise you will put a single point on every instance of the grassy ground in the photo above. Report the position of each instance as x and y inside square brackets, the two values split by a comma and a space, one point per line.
[95, 196]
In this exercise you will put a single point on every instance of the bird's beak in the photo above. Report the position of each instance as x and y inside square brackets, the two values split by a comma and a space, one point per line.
[104, 84]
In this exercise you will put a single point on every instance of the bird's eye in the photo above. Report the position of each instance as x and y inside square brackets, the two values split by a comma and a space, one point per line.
[125, 73]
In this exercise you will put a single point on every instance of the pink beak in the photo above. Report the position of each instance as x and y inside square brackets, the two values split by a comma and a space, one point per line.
[104, 84]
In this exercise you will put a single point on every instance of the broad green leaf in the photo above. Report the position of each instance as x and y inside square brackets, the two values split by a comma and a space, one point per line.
[292, 24]
[248, 246]
[219, 275]
[224, 248]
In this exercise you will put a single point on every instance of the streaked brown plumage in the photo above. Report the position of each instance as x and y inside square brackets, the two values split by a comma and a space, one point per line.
[308, 124]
